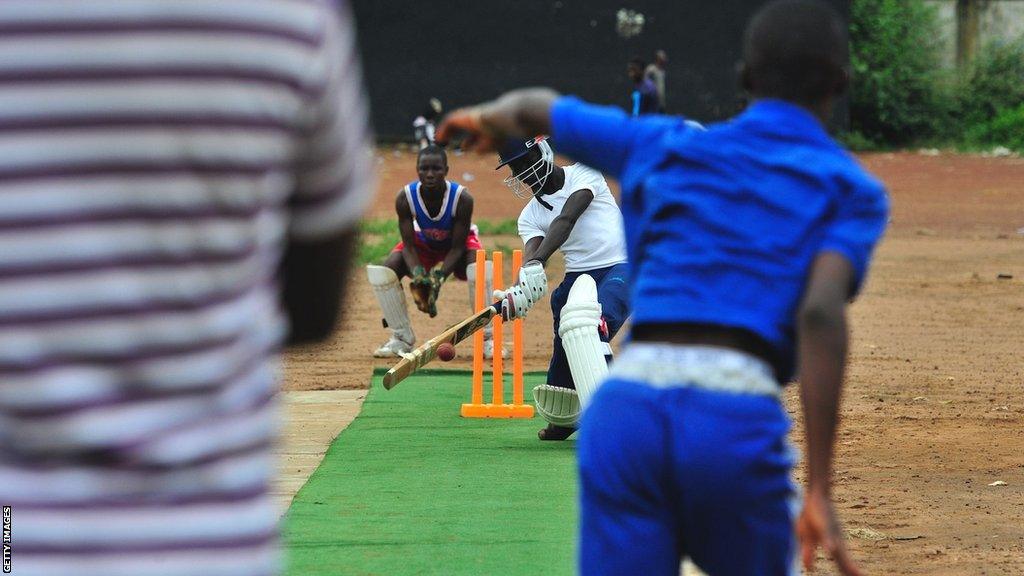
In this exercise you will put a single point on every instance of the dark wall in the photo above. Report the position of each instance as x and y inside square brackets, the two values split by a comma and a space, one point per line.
[466, 51]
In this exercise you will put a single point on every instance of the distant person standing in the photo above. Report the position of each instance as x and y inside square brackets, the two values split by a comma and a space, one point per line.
[644, 98]
[181, 183]
[423, 125]
[656, 74]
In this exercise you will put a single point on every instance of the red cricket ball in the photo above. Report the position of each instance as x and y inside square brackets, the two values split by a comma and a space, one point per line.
[446, 351]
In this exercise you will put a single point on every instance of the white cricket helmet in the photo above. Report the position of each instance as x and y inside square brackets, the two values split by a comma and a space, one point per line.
[529, 180]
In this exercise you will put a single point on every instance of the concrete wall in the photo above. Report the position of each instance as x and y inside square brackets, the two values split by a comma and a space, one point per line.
[1002, 19]
[464, 51]
[999, 20]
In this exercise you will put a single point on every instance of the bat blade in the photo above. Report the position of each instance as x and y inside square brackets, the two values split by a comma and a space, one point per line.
[422, 356]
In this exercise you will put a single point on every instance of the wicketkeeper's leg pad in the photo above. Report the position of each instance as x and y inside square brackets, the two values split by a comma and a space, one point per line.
[391, 298]
[559, 406]
[578, 328]
[488, 290]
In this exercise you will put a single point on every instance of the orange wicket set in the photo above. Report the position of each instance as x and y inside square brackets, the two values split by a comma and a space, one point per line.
[497, 408]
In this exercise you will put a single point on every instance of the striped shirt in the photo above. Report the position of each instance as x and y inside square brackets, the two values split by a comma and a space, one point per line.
[155, 158]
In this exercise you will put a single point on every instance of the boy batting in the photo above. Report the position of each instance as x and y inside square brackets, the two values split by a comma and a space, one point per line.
[570, 210]
[745, 244]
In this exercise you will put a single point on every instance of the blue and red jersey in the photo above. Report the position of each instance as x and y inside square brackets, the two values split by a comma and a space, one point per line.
[434, 231]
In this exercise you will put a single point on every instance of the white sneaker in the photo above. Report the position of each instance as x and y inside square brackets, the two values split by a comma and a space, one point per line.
[489, 350]
[394, 347]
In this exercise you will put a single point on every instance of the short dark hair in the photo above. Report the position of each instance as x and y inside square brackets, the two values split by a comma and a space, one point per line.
[638, 62]
[795, 50]
[432, 150]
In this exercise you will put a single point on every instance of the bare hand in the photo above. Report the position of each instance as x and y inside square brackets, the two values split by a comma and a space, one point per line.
[467, 124]
[818, 526]
[522, 114]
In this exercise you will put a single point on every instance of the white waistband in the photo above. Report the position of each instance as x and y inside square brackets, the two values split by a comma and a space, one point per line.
[709, 367]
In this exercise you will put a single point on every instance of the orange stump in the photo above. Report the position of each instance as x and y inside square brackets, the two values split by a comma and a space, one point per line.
[498, 363]
[478, 338]
[497, 408]
[517, 340]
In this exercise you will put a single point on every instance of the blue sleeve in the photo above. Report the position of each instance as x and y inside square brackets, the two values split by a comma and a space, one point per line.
[857, 225]
[603, 137]
[636, 103]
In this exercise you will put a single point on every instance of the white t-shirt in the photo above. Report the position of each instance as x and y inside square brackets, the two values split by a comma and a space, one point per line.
[597, 240]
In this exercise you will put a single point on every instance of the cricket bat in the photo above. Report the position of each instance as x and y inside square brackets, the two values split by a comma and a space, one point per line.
[421, 356]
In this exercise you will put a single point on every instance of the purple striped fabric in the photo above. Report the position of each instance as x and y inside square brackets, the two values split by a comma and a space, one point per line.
[70, 27]
[149, 120]
[146, 502]
[129, 261]
[135, 394]
[155, 158]
[87, 216]
[105, 549]
[115, 168]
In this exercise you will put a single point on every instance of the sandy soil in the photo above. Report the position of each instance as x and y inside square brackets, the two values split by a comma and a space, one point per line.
[933, 410]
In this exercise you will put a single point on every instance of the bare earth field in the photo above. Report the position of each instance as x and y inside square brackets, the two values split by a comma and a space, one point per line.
[934, 410]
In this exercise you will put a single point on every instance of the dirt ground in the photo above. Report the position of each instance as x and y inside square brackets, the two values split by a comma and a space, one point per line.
[933, 412]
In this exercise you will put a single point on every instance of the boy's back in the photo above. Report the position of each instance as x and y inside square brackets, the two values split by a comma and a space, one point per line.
[725, 223]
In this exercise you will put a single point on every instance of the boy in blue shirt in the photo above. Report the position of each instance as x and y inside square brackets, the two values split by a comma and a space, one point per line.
[745, 243]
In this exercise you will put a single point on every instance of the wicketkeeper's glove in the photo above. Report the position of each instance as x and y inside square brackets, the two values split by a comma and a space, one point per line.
[437, 279]
[423, 292]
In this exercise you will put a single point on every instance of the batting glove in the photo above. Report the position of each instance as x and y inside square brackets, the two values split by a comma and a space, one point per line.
[533, 281]
[514, 302]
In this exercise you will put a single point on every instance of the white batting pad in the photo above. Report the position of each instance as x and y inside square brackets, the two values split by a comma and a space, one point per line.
[391, 298]
[559, 406]
[584, 349]
[488, 290]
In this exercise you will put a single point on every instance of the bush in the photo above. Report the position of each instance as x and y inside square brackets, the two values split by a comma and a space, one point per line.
[857, 142]
[896, 90]
[1006, 129]
[993, 85]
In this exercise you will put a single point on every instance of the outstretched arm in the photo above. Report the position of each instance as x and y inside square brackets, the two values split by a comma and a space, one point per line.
[603, 137]
[517, 114]
[561, 227]
[313, 285]
[823, 344]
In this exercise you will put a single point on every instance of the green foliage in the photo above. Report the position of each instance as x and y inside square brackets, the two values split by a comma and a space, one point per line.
[382, 227]
[896, 93]
[900, 96]
[857, 142]
[509, 227]
[1006, 129]
[993, 85]
[374, 250]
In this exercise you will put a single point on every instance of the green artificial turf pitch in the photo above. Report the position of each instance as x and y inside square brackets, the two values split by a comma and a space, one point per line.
[410, 487]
